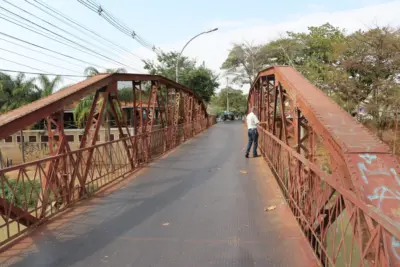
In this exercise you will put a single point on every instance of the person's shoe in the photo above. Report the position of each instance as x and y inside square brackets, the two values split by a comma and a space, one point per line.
[256, 156]
[247, 156]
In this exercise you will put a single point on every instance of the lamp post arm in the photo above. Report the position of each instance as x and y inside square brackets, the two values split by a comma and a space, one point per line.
[180, 54]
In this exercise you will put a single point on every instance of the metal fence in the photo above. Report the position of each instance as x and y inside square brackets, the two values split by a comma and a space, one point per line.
[342, 229]
[31, 197]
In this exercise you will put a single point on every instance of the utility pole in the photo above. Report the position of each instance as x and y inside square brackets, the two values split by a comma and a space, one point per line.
[227, 94]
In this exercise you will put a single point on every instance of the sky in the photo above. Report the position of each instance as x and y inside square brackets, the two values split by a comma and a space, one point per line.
[168, 25]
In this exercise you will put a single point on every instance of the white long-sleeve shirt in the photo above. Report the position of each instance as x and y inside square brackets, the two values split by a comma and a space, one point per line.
[252, 121]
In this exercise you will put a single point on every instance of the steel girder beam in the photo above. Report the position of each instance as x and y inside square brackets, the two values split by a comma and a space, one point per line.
[67, 171]
[359, 161]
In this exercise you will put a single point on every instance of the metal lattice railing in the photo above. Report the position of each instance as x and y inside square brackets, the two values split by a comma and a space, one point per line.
[341, 228]
[30, 197]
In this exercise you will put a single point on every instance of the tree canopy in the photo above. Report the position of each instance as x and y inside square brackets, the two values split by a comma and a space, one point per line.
[358, 70]
[92, 71]
[199, 78]
[236, 99]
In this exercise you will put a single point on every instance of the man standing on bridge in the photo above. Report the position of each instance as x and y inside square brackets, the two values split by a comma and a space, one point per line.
[252, 122]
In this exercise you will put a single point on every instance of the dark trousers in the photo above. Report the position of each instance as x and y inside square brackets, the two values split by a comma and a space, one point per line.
[253, 138]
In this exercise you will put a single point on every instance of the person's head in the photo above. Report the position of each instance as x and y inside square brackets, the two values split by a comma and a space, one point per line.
[252, 109]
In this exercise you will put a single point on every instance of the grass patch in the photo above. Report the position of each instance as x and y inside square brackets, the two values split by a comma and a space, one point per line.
[21, 194]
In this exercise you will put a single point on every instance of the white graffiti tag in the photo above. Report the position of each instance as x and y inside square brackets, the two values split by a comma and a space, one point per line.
[395, 245]
[368, 158]
[393, 171]
[365, 172]
[381, 193]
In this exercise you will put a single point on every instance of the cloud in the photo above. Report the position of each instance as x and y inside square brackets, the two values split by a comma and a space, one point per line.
[213, 48]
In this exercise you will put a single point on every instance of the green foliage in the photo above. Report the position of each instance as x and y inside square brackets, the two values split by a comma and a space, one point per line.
[47, 86]
[237, 101]
[82, 110]
[91, 189]
[125, 95]
[92, 71]
[245, 61]
[16, 92]
[21, 194]
[356, 70]
[199, 78]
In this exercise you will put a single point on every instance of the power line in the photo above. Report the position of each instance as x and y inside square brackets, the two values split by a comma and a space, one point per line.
[69, 21]
[38, 60]
[11, 20]
[41, 73]
[117, 24]
[59, 28]
[44, 48]
[67, 39]
[14, 62]
[43, 53]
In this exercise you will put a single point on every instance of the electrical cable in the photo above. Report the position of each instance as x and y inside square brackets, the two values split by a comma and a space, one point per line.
[41, 73]
[38, 60]
[44, 48]
[71, 22]
[67, 39]
[59, 28]
[117, 24]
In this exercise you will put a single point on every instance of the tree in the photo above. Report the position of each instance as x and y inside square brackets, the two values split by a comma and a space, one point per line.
[237, 101]
[125, 95]
[202, 81]
[199, 78]
[358, 70]
[372, 60]
[92, 71]
[320, 50]
[47, 86]
[16, 92]
[245, 61]
[283, 51]
[81, 111]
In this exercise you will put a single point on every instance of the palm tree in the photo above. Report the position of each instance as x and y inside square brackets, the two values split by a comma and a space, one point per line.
[16, 93]
[92, 71]
[82, 110]
[47, 86]
[117, 70]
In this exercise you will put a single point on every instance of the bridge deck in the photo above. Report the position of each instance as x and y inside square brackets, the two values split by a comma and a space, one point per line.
[192, 207]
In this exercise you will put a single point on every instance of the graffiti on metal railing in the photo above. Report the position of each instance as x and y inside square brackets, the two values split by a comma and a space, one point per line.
[341, 182]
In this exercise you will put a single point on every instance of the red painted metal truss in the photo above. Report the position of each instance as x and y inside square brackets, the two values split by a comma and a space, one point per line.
[340, 181]
[164, 114]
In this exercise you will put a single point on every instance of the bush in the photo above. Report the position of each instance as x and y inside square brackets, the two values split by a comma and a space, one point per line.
[16, 196]
[91, 189]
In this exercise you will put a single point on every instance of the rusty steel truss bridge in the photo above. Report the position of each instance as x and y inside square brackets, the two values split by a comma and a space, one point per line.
[341, 183]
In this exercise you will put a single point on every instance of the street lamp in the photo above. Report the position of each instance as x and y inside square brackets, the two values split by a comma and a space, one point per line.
[179, 56]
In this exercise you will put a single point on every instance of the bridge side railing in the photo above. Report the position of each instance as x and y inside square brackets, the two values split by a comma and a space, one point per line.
[79, 173]
[337, 234]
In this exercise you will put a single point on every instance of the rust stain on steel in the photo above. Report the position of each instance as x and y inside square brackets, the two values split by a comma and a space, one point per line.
[360, 160]
[31, 113]
[351, 135]
[286, 223]
[69, 174]
[19, 118]
[374, 171]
